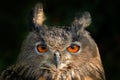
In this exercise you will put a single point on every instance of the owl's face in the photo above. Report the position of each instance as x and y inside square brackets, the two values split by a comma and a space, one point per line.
[58, 48]
[60, 53]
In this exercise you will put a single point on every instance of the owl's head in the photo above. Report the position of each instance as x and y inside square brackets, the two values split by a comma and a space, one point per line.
[58, 49]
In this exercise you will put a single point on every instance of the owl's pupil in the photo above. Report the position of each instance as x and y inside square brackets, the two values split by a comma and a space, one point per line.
[43, 46]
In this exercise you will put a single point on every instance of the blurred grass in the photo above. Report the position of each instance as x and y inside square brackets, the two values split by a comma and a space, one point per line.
[104, 28]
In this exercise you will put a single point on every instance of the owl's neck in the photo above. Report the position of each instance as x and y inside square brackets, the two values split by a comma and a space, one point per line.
[26, 73]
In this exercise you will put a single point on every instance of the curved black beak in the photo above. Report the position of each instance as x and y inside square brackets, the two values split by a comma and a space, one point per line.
[57, 59]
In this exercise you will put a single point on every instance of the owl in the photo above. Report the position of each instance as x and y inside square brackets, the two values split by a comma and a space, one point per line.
[57, 52]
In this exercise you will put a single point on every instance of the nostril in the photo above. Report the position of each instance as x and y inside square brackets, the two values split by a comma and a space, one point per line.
[57, 54]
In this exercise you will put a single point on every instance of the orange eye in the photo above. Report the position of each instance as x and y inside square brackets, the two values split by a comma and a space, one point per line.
[42, 48]
[73, 48]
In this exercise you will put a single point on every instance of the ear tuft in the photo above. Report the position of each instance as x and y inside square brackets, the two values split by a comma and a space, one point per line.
[38, 15]
[83, 19]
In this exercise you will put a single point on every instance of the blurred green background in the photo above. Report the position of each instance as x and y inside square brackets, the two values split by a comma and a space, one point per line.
[104, 28]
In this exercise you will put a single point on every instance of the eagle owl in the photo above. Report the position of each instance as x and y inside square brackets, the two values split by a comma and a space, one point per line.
[57, 52]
